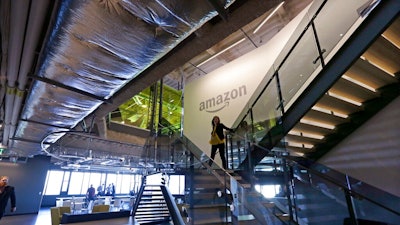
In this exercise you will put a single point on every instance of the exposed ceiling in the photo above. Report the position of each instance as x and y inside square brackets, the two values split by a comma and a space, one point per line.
[66, 64]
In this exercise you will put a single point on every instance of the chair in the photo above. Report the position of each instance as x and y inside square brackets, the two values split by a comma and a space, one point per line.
[67, 203]
[101, 208]
[78, 206]
[57, 212]
[117, 204]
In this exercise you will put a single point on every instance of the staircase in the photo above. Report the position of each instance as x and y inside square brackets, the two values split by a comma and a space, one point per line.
[209, 205]
[152, 207]
[359, 80]
[367, 86]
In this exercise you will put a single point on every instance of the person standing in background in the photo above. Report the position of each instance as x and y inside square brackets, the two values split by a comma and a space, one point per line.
[91, 193]
[112, 189]
[6, 192]
[100, 190]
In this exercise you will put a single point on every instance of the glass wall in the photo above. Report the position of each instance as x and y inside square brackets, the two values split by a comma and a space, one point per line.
[59, 182]
[139, 110]
[71, 183]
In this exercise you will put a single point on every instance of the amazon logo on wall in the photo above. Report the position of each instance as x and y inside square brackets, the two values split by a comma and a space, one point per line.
[219, 102]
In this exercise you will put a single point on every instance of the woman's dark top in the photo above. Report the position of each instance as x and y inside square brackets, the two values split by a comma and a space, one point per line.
[220, 130]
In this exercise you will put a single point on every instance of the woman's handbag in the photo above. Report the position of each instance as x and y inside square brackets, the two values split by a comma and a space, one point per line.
[215, 139]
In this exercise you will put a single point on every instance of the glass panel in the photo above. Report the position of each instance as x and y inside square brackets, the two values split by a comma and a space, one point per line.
[249, 206]
[137, 111]
[369, 203]
[171, 110]
[370, 212]
[374, 194]
[265, 112]
[237, 143]
[346, 13]
[319, 202]
[298, 68]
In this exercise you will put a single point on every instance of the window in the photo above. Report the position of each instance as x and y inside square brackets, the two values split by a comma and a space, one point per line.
[54, 181]
[268, 191]
[125, 183]
[176, 184]
[65, 181]
[77, 183]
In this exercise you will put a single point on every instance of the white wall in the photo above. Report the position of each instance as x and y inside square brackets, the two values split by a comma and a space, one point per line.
[372, 153]
[231, 86]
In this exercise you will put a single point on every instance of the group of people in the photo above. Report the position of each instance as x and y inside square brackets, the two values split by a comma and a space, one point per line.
[102, 190]
[91, 194]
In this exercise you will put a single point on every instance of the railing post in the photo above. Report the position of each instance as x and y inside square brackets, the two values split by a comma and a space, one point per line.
[288, 181]
[227, 150]
[191, 191]
[229, 138]
[350, 203]
[249, 143]
[320, 51]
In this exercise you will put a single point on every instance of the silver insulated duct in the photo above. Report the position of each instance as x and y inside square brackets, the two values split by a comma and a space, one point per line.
[93, 49]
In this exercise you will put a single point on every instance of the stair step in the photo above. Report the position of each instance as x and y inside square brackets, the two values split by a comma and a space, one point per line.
[269, 205]
[151, 212]
[283, 217]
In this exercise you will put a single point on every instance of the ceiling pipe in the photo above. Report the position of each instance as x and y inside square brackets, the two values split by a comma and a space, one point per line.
[18, 19]
[37, 17]
[4, 29]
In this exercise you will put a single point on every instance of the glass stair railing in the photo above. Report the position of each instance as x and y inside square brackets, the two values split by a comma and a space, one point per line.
[306, 193]
[217, 196]
[338, 196]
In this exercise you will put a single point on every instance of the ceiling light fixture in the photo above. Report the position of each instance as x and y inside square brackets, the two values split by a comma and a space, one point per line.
[219, 53]
[268, 17]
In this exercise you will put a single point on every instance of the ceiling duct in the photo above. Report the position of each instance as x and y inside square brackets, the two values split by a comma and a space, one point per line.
[92, 50]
